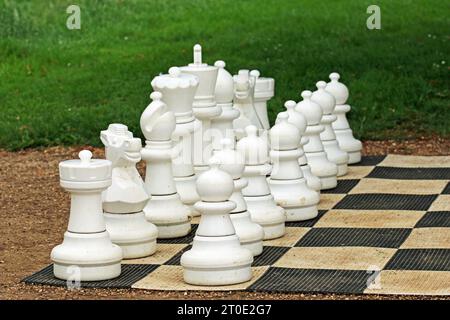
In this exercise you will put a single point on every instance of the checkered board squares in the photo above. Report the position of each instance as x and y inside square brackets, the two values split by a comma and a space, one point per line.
[385, 229]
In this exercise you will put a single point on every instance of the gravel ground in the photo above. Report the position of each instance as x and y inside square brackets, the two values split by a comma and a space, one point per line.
[34, 213]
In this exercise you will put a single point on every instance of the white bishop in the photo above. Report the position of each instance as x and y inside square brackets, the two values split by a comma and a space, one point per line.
[165, 208]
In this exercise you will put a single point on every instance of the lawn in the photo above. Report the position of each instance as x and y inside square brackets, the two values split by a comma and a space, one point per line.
[60, 86]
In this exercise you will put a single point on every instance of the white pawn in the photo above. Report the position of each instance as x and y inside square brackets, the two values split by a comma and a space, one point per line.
[165, 208]
[260, 203]
[334, 153]
[321, 167]
[204, 106]
[286, 182]
[217, 257]
[222, 125]
[250, 233]
[298, 119]
[344, 134]
[87, 253]
[178, 90]
[264, 91]
[124, 200]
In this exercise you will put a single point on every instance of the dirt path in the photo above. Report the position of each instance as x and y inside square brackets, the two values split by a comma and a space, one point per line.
[33, 211]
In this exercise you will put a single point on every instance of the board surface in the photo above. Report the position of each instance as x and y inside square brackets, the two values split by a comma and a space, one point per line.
[385, 229]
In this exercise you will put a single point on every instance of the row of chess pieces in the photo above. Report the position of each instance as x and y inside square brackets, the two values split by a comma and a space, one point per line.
[209, 151]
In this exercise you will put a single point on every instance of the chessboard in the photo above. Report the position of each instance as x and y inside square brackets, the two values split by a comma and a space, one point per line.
[385, 229]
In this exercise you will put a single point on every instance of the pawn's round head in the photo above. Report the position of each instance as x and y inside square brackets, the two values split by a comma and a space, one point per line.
[284, 135]
[337, 89]
[215, 185]
[322, 97]
[254, 147]
[295, 117]
[311, 110]
[231, 161]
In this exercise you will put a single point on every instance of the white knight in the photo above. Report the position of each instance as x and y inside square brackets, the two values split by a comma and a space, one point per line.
[124, 200]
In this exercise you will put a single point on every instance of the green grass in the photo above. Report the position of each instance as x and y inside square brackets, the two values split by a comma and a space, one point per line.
[59, 86]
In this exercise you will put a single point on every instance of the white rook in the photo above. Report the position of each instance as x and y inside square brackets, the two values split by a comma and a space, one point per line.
[87, 245]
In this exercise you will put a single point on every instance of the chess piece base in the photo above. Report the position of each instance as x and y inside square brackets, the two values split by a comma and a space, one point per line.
[323, 168]
[301, 214]
[264, 211]
[336, 155]
[354, 157]
[93, 255]
[132, 233]
[215, 261]
[250, 234]
[311, 180]
[328, 182]
[188, 193]
[169, 215]
[349, 144]
[299, 201]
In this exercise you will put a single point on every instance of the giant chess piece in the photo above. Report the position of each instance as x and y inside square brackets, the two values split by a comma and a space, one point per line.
[264, 91]
[260, 203]
[178, 90]
[87, 253]
[250, 233]
[287, 184]
[317, 158]
[124, 200]
[344, 134]
[222, 125]
[244, 88]
[165, 208]
[216, 257]
[204, 106]
[298, 119]
[334, 153]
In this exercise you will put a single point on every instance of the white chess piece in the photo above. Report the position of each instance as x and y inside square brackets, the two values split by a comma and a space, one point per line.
[222, 125]
[264, 91]
[334, 153]
[287, 184]
[87, 245]
[344, 134]
[204, 106]
[216, 257]
[165, 208]
[321, 167]
[244, 88]
[298, 119]
[260, 202]
[124, 200]
[250, 233]
[178, 90]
